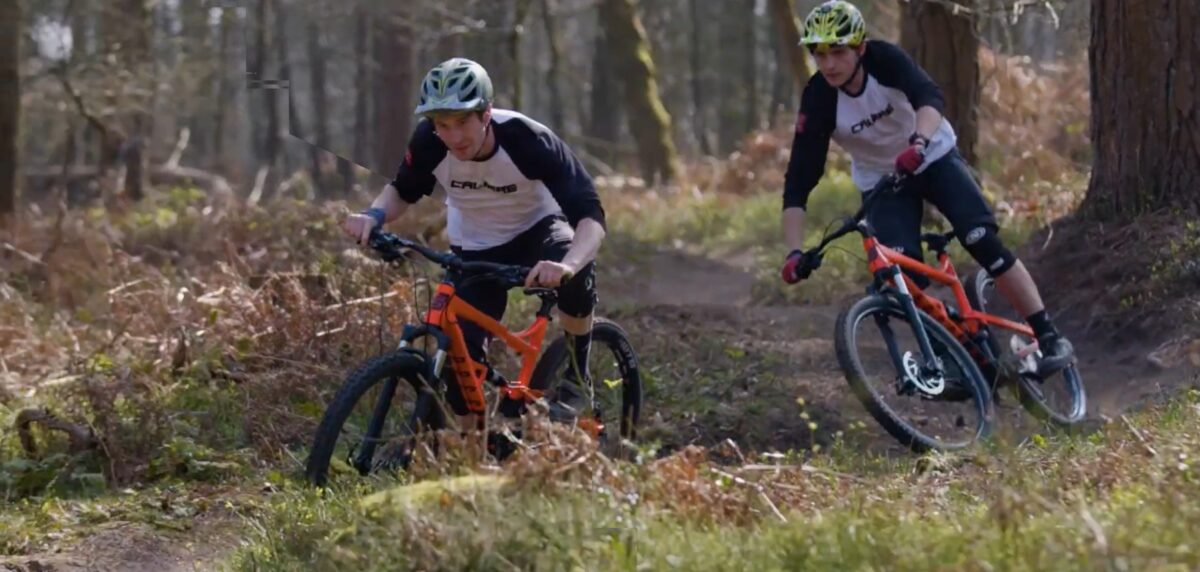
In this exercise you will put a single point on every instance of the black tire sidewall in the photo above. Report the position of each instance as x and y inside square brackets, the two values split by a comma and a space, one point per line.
[404, 365]
[851, 365]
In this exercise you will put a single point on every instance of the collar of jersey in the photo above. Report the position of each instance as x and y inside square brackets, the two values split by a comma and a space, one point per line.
[495, 149]
[866, 78]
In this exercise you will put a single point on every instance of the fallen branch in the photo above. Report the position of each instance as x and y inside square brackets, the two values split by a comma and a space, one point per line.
[161, 175]
[27, 256]
[756, 486]
[1141, 438]
[81, 438]
[358, 301]
[803, 469]
[185, 135]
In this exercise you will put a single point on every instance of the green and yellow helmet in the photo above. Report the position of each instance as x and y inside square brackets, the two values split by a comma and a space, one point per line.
[457, 84]
[833, 23]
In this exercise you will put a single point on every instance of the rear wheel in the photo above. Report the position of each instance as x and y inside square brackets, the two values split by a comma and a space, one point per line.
[1060, 398]
[373, 420]
[881, 358]
[614, 388]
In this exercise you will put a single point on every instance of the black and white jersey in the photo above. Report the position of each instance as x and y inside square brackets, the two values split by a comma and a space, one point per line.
[531, 175]
[873, 126]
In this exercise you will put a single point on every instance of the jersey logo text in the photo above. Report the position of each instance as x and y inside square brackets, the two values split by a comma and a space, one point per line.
[484, 185]
[858, 127]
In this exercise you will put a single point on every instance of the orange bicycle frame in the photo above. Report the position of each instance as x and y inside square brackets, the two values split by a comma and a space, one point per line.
[880, 257]
[445, 312]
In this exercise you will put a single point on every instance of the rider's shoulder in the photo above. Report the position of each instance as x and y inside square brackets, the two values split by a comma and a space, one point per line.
[517, 130]
[518, 124]
[885, 53]
[819, 94]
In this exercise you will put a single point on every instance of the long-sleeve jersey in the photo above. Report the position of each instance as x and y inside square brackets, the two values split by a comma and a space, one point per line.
[531, 174]
[873, 126]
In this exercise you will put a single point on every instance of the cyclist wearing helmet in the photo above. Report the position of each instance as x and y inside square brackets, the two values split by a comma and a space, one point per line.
[873, 100]
[515, 194]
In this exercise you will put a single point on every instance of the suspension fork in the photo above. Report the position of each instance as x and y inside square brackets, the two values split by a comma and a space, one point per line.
[433, 368]
[930, 362]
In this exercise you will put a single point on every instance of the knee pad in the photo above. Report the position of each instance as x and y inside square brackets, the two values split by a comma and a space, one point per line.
[986, 248]
[577, 298]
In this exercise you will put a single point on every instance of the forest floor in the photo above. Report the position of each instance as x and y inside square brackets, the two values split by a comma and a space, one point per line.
[735, 367]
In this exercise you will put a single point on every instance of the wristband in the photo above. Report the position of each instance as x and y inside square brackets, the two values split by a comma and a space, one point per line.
[376, 213]
[915, 137]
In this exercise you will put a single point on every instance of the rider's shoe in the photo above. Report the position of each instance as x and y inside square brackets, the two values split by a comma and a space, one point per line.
[1057, 353]
[568, 401]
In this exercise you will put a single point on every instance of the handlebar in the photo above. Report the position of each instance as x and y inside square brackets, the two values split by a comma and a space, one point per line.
[889, 184]
[391, 247]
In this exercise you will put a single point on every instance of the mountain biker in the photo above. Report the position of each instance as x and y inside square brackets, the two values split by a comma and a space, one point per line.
[873, 100]
[515, 194]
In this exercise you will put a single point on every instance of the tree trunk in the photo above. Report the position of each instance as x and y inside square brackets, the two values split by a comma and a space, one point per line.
[783, 13]
[604, 126]
[736, 38]
[1145, 110]
[10, 102]
[649, 121]
[197, 52]
[699, 107]
[783, 82]
[488, 47]
[138, 57]
[750, 66]
[362, 90]
[316, 62]
[283, 55]
[555, 42]
[395, 93]
[127, 33]
[271, 140]
[223, 89]
[946, 45]
[515, 32]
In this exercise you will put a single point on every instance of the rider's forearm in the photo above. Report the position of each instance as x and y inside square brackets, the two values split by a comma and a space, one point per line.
[928, 120]
[793, 228]
[389, 200]
[588, 236]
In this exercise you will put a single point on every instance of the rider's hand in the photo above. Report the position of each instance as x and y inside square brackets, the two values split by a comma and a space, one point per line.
[910, 160]
[549, 274]
[360, 225]
[799, 266]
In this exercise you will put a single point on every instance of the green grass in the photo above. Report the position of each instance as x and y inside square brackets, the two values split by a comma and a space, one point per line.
[1095, 502]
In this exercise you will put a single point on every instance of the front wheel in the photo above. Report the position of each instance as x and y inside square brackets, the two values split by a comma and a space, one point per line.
[372, 421]
[614, 389]
[878, 351]
[1059, 399]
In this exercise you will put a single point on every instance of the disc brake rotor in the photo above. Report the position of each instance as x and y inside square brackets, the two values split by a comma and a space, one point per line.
[932, 385]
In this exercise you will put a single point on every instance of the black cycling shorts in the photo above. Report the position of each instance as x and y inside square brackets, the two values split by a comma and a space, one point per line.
[948, 185]
[549, 239]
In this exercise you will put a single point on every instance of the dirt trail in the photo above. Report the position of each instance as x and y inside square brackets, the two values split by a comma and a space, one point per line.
[137, 547]
[1118, 370]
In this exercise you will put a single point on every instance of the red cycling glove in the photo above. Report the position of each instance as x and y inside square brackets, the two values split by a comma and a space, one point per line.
[912, 157]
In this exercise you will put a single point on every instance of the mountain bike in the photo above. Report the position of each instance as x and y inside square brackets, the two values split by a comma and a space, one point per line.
[412, 380]
[945, 359]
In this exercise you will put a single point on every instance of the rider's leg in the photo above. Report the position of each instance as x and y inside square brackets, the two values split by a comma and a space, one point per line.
[487, 298]
[954, 192]
[576, 303]
[896, 219]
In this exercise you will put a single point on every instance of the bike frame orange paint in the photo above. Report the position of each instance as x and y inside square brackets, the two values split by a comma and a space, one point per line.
[445, 313]
[880, 257]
